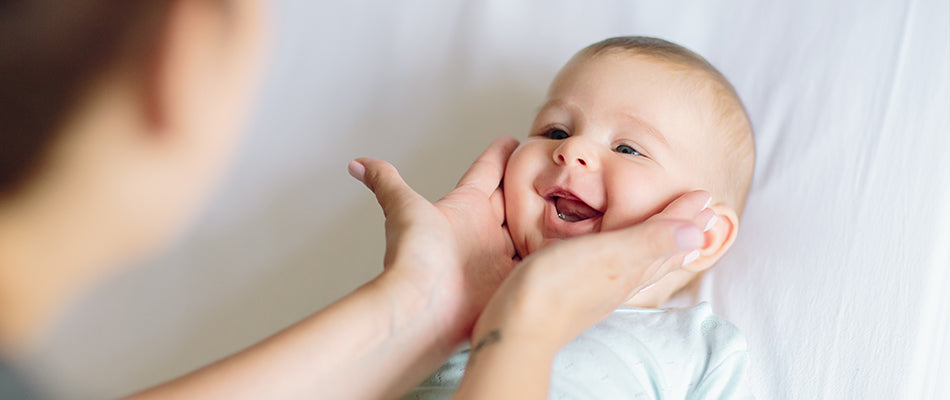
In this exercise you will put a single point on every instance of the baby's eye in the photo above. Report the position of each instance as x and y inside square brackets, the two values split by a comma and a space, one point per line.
[625, 149]
[556, 134]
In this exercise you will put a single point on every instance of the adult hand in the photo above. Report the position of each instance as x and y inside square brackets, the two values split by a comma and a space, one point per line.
[563, 289]
[453, 253]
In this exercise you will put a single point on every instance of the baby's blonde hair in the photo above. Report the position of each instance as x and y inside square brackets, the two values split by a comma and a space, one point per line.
[737, 147]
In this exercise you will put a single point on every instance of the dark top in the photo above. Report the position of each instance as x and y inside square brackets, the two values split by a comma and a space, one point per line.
[12, 386]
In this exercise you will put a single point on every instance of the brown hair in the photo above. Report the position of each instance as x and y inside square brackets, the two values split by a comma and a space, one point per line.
[52, 51]
[732, 118]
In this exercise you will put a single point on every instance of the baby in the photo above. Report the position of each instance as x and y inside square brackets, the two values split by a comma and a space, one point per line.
[629, 125]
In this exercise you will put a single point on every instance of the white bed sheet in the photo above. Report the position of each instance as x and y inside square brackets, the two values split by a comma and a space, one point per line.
[840, 274]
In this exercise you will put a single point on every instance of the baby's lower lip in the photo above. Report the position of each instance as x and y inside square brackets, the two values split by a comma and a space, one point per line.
[574, 210]
[555, 227]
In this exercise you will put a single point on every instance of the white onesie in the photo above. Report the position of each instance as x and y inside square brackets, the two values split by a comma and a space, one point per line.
[636, 353]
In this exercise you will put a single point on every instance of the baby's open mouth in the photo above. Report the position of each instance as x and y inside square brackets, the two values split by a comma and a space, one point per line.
[574, 210]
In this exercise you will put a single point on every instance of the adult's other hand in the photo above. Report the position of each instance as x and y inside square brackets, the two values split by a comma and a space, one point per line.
[563, 289]
[582, 280]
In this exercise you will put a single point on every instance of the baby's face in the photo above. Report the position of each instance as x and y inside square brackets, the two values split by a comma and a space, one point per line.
[619, 137]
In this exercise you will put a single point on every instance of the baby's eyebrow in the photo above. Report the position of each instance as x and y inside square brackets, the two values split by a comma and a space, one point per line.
[649, 129]
[551, 103]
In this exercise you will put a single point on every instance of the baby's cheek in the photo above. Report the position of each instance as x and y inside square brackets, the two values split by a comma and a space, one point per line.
[626, 212]
[636, 195]
[514, 216]
[518, 184]
[637, 210]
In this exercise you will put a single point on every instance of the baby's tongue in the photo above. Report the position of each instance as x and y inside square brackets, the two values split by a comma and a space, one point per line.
[574, 210]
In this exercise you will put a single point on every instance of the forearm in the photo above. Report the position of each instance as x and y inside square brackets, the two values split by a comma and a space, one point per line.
[377, 342]
[505, 366]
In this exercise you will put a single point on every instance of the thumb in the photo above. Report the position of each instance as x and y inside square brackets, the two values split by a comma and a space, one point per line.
[384, 181]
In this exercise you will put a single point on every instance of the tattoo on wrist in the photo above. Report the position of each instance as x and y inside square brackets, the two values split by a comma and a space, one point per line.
[489, 339]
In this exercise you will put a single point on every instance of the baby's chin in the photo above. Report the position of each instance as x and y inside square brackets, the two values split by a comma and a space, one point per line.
[544, 242]
[530, 247]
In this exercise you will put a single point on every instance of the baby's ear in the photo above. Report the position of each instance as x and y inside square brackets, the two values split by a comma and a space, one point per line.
[719, 238]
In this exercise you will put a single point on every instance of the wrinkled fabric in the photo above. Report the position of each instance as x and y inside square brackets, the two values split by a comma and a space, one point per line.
[635, 353]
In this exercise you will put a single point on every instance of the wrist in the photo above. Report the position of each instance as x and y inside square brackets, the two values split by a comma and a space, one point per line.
[506, 364]
[413, 310]
[523, 307]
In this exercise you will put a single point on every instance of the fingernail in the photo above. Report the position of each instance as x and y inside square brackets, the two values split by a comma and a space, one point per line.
[688, 238]
[708, 202]
[356, 170]
[645, 288]
[711, 223]
[690, 257]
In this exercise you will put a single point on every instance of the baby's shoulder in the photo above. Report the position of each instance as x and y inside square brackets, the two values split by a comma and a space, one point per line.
[692, 332]
[669, 350]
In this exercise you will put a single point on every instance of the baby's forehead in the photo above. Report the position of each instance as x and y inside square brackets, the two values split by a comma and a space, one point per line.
[639, 88]
[679, 66]
[686, 81]
[704, 89]
[701, 82]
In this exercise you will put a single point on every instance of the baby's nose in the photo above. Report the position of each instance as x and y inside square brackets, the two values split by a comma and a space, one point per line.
[574, 152]
[580, 160]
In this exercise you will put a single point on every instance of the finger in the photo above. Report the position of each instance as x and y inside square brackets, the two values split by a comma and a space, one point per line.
[688, 205]
[660, 269]
[384, 181]
[658, 239]
[486, 172]
[664, 267]
[497, 200]
[706, 219]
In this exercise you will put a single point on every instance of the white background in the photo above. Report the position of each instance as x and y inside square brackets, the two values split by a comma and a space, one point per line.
[839, 276]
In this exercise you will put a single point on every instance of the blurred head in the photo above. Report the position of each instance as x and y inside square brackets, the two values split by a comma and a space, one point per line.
[628, 125]
[128, 110]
